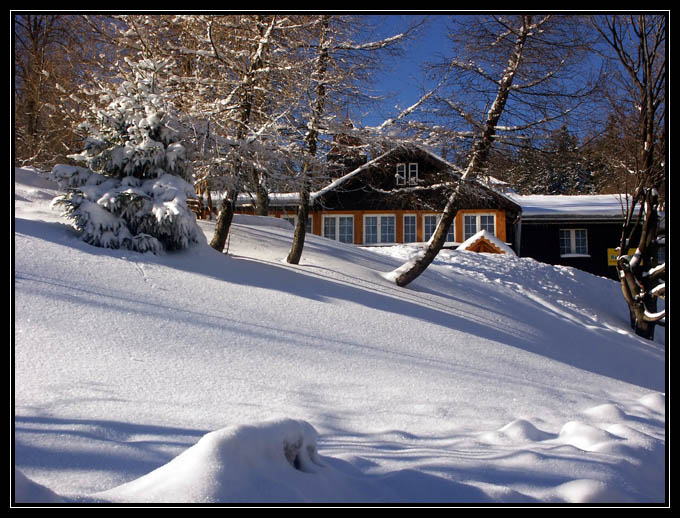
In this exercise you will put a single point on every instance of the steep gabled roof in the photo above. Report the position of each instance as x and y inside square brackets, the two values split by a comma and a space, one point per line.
[414, 148]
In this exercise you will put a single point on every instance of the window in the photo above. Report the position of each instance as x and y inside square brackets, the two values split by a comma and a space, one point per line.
[346, 229]
[409, 176]
[473, 223]
[429, 226]
[379, 229]
[410, 228]
[430, 222]
[573, 241]
[413, 174]
[339, 228]
[401, 174]
[293, 221]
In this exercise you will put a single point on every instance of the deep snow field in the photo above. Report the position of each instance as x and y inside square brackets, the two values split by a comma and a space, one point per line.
[237, 378]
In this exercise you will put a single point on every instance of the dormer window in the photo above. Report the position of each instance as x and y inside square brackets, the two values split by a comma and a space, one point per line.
[412, 173]
[407, 174]
[401, 174]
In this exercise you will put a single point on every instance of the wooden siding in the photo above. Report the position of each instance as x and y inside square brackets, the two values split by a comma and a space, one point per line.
[317, 221]
[374, 189]
[541, 241]
[500, 224]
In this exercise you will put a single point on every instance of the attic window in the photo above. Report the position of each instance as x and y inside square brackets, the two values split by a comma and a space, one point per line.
[407, 175]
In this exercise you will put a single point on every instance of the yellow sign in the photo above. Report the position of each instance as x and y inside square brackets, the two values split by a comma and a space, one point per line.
[613, 254]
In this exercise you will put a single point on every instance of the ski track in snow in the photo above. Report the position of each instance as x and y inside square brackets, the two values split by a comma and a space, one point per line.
[174, 378]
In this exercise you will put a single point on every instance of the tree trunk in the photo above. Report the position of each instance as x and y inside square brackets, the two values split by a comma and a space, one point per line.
[224, 219]
[409, 272]
[312, 142]
[300, 229]
[261, 197]
[634, 272]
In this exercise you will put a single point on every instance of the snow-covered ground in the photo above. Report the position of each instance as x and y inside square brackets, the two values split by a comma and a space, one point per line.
[205, 377]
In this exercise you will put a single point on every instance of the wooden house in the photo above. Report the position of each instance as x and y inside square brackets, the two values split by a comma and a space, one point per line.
[582, 231]
[398, 197]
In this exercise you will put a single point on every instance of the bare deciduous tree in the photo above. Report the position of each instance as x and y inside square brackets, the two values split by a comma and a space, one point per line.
[512, 63]
[337, 61]
[54, 54]
[639, 46]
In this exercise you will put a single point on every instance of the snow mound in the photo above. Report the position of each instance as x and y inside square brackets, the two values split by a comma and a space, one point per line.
[260, 462]
[465, 245]
[654, 401]
[584, 436]
[607, 412]
[524, 430]
[517, 431]
[28, 491]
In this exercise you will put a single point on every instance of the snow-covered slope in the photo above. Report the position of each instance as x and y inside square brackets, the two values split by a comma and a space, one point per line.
[205, 377]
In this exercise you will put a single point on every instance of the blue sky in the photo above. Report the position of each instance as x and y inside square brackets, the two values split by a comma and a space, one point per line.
[403, 77]
[403, 80]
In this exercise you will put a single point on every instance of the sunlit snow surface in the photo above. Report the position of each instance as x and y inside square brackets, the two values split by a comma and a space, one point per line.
[204, 377]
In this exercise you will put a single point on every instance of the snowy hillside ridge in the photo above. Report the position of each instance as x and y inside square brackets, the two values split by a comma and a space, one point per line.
[197, 376]
[253, 458]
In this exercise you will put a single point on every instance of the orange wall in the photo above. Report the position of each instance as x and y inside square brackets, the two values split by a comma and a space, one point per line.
[500, 222]
[317, 221]
[399, 224]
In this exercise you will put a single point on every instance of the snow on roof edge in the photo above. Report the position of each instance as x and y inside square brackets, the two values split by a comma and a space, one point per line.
[544, 206]
[490, 238]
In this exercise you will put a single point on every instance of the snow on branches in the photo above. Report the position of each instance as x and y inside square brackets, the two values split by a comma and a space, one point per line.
[132, 193]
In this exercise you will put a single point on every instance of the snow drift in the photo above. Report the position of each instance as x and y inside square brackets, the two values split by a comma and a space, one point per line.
[240, 463]
[198, 376]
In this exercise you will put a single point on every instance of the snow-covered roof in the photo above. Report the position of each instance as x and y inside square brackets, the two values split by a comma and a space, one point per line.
[599, 206]
[276, 199]
[493, 185]
[485, 234]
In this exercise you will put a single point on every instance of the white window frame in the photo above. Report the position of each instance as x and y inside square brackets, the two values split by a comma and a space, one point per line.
[452, 229]
[336, 226]
[573, 252]
[401, 174]
[407, 174]
[478, 222]
[415, 227]
[413, 173]
[379, 235]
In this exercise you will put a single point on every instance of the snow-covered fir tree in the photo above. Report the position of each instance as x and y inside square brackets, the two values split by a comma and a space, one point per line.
[130, 191]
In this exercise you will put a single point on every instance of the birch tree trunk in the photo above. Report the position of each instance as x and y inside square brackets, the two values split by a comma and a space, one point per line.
[640, 274]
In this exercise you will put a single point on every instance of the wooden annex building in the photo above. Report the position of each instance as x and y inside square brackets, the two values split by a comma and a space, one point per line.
[581, 231]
